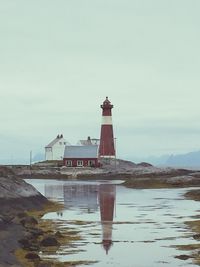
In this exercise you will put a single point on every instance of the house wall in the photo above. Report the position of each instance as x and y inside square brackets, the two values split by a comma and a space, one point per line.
[85, 162]
[56, 152]
[48, 153]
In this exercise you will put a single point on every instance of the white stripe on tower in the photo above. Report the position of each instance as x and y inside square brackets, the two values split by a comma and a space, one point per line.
[106, 120]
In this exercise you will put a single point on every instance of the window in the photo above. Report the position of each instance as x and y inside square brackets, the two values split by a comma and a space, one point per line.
[79, 163]
[64, 143]
[91, 163]
[69, 163]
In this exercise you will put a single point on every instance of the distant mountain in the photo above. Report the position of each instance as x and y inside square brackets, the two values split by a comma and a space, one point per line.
[191, 159]
[155, 160]
[188, 160]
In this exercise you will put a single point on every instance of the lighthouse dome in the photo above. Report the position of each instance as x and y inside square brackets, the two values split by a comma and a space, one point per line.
[107, 104]
[106, 101]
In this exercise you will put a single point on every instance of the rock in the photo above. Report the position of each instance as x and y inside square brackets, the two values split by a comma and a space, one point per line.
[29, 221]
[196, 237]
[49, 241]
[25, 243]
[2, 224]
[6, 218]
[5, 171]
[18, 196]
[35, 232]
[32, 256]
[183, 257]
[12, 187]
[144, 164]
[29, 244]
[44, 264]
[21, 215]
[58, 234]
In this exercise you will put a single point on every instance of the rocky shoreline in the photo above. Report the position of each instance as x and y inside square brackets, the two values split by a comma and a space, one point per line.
[141, 175]
[16, 197]
[192, 251]
[23, 234]
[18, 226]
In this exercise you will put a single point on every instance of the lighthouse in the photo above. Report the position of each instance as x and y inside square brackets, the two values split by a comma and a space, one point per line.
[107, 148]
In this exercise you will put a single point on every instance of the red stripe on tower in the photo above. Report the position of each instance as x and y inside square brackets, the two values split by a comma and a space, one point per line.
[107, 148]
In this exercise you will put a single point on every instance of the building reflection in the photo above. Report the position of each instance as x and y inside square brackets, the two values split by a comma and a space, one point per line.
[88, 198]
[82, 196]
[53, 191]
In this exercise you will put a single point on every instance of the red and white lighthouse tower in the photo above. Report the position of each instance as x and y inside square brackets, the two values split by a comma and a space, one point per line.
[107, 147]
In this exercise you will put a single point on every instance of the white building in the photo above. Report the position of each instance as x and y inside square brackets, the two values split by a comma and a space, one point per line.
[55, 149]
[89, 141]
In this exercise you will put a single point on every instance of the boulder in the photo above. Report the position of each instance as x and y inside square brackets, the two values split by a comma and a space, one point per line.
[25, 243]
[35, 232]
[196, 237]
[58, 234]
[29, 244]
[49, 241]
[144, 164]
[45, 264]
[32, 256]
[28, 221]
[21, 215]
[183, 257]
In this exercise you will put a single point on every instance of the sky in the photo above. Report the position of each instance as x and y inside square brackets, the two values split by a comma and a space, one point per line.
[59, 59]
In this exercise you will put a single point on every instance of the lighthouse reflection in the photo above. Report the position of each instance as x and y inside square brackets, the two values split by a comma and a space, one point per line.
[107, 194]
[88, 198]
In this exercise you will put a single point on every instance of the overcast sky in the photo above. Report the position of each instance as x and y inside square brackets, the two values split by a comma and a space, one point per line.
[59, 59]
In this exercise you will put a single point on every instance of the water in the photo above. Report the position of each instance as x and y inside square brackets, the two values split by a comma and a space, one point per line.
[121, 226]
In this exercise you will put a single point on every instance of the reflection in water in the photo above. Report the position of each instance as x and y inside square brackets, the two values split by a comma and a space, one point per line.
[59, 214]
[82, 196]
[107, 193]
[53, 191]
[148, 222]
[88, 198]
